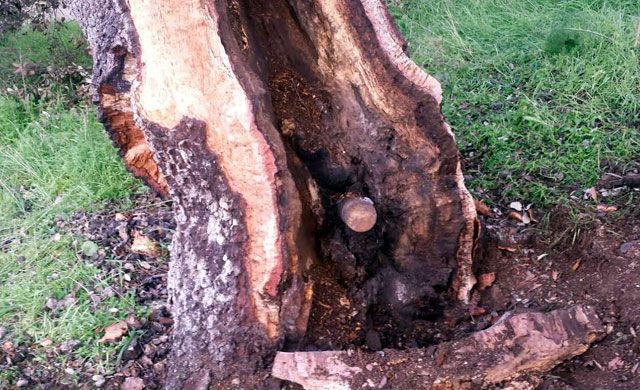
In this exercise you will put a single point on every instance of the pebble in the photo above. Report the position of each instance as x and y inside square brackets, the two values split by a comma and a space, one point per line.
[22, 382]
[629, 246]
[98, 380]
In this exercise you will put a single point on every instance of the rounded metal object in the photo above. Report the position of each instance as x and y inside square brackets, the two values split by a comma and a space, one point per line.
[358, 213]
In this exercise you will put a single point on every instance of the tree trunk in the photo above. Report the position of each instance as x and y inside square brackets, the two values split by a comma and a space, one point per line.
[287, 133]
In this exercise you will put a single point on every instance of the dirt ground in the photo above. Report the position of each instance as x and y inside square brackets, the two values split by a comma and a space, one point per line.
[595, 263]
[537, 267]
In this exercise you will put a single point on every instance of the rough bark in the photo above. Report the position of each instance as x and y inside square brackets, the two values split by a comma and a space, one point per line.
[516, 345]
[259, 118]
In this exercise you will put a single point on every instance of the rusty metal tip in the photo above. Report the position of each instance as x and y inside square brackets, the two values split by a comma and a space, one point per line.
[358, 213]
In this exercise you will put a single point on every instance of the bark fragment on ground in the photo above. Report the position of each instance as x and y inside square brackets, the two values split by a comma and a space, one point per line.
[517, 344]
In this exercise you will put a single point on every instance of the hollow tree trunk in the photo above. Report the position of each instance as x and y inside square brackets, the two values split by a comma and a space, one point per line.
[263, 121]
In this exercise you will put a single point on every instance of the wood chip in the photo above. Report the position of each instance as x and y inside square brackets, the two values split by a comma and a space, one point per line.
[507, 248]
[576, 265]
[591, 193]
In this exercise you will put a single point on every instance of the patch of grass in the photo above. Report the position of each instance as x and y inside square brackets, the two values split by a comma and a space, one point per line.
[544, 96]
[61, 44]
[54, 160]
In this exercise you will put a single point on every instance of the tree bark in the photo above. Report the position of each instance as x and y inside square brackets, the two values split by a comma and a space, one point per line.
[260, 119]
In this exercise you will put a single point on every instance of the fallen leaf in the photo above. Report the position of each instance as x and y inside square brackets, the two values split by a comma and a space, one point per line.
[507, 248]
[603, 208]
[476, 311]
[483, 209]
[532, 216]
[143, 245]
[555, 275]
[46, 342]
[486, 280]
[591, 193]
[516, 215]
[114, 332]
[576, 265]
[516, 206]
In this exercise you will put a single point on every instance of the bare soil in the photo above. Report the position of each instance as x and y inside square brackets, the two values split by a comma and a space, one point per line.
[536, 268]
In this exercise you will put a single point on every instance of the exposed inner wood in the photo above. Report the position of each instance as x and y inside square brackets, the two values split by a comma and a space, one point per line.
[186, 73]
[516, 345]
[117, 114]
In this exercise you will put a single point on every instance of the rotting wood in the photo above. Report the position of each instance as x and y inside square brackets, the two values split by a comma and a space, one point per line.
[526, 343]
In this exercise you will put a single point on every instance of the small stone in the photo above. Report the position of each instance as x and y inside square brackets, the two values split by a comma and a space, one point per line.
[235, 381]
[629, 246]
[22, 382]
[98, 380]
[69, 371]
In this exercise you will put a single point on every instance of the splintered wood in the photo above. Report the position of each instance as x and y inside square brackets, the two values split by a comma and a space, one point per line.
[525, 343]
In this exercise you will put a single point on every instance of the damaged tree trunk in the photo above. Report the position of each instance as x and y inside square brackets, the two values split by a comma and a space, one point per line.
[287, 133]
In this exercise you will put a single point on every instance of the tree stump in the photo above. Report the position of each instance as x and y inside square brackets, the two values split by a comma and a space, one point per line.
[258, 119]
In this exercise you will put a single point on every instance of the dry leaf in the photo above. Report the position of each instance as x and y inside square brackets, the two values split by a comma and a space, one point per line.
[516, 206]
[483, 209]
[516, 215]
[507, 248]
[531, 216]
[603, 208]
[576, 265]
[486, 280]
[143, 245]
[555, 275]
[591, 193]
[114, 332]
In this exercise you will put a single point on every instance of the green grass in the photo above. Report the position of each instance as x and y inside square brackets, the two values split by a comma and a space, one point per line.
[54, 160]
[544, 96]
